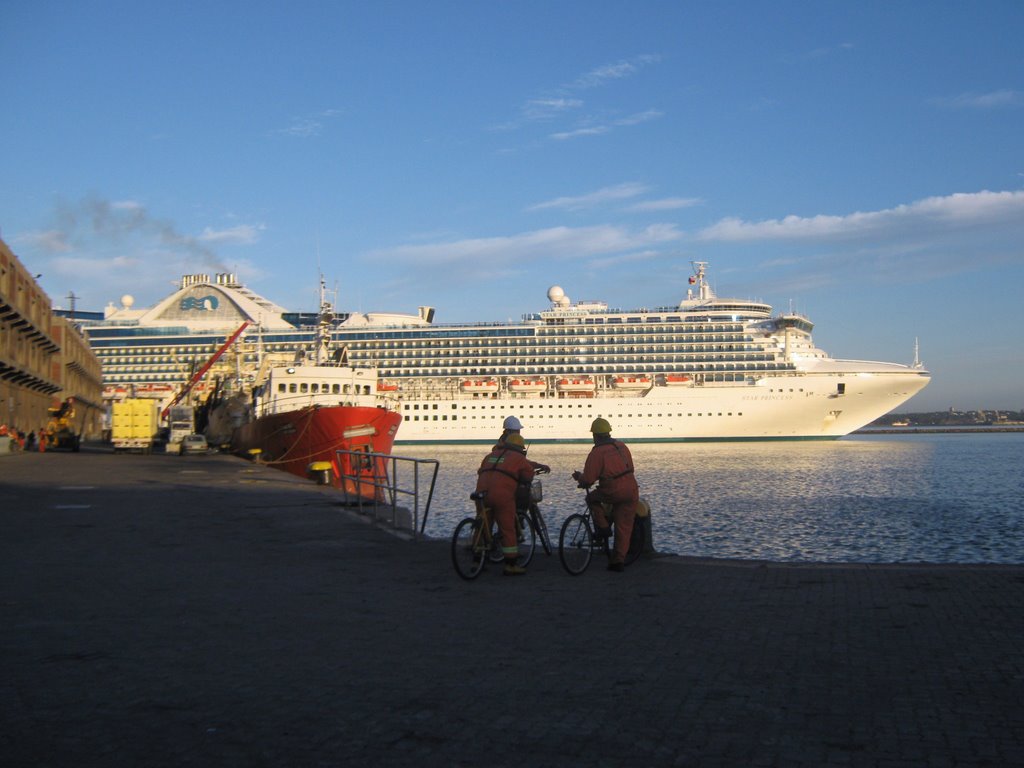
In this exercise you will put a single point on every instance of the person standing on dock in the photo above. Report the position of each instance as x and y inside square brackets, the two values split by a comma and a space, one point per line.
[610, 465]
[502, 473]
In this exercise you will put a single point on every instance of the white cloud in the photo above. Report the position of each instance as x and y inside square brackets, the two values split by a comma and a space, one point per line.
[597, 130]
[952, 211]
[243, 234]
[606, 72]
[640, 117]
[818, 53]
[626, 258]
[543, 244]
[992, 100]
[307, 126]
[545, 109]
[605, 194]
[51, 241]
[665, 204]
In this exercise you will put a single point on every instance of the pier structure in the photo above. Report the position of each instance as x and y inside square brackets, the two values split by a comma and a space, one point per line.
[209, 611]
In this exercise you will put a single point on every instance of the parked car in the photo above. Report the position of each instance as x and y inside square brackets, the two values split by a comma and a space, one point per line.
[194, 444]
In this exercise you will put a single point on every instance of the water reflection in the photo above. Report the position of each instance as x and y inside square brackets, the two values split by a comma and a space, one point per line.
[935, 498]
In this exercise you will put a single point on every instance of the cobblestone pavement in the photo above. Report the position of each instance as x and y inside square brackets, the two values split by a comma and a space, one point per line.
[199, 611]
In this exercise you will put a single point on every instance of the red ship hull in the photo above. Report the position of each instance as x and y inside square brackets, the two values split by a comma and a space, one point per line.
[294, 440]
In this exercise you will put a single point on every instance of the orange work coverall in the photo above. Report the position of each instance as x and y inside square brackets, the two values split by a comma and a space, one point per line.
[500, 474]
[610, 465]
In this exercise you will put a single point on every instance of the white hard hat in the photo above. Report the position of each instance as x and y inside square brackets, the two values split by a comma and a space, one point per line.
[512, 423]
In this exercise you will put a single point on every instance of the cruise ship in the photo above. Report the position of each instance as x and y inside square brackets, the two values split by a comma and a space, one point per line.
[708, 368]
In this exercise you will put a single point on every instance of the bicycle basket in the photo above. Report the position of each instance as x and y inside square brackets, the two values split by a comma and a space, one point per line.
[536, 491]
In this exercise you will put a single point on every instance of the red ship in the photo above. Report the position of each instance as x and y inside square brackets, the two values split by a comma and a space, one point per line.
[302, 414]
[306, 442]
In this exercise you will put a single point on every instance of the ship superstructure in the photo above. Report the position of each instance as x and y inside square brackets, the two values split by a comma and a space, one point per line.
[707, 368]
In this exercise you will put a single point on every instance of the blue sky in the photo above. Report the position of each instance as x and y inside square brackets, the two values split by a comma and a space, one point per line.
[861, 162]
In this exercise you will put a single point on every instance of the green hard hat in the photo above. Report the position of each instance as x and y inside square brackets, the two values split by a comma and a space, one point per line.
[601, 427]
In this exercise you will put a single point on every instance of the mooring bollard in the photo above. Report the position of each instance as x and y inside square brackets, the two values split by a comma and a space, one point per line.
[643, 515]
[320, 471]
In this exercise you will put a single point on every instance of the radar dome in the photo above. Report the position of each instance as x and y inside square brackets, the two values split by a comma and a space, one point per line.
[127, 300]
[555, 294]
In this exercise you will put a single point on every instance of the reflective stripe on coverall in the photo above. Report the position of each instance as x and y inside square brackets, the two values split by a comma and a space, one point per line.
[500, 474]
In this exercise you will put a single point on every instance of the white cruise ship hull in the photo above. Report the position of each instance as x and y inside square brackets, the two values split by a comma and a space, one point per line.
[811, 406]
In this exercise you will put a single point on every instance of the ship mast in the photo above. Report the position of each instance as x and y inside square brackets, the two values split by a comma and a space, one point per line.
[323, 326]
[698, 279]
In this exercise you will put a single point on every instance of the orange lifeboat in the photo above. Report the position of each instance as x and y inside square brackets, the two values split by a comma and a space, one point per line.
[386, 386]
[478, 386]
[153, 390]
[631, 382]
[527, 385]
[675, 379]
[576, 385]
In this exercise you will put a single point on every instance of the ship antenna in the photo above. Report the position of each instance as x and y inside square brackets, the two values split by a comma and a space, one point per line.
[323, 330]
[917, 358]
[699, 268]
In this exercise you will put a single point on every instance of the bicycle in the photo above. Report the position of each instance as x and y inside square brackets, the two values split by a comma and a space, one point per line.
[533, 516]
[477, 540]
[577, 541]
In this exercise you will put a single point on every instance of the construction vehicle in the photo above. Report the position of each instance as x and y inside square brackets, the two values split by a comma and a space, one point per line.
[60, 432]
[181, 419]
[181, 422]
[202, 371]
[133, 424]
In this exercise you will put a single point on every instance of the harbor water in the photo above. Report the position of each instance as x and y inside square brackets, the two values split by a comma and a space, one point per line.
[941, 498]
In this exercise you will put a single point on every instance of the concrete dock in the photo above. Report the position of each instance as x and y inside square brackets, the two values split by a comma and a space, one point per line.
[202, 611]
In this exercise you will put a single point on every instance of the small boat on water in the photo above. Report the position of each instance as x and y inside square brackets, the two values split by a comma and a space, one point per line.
[305, 412]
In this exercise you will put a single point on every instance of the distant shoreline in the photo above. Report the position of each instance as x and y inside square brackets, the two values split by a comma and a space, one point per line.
[932, 430]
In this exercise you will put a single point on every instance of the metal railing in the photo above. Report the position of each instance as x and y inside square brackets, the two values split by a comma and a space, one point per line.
[381, 489]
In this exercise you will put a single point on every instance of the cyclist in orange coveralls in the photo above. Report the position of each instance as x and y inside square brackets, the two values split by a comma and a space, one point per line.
[512, 426]
[610, 465]
[501, 474]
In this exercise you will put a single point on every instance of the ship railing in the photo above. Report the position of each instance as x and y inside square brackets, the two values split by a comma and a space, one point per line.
[393, 479]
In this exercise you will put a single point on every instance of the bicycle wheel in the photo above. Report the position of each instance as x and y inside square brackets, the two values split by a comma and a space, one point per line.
[575, 544]
[527, 537]
[467, 549]
[636, 540]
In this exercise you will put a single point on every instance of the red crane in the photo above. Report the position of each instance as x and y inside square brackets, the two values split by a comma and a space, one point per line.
[202, 371]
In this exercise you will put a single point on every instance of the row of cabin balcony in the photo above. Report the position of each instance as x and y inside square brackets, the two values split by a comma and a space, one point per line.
[555, 359]
[606, 338]
[704, 345]
[738, 370]
[557, 371]
[625, 329]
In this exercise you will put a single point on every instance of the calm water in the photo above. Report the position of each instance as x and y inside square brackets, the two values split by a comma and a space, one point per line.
[951, 498]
